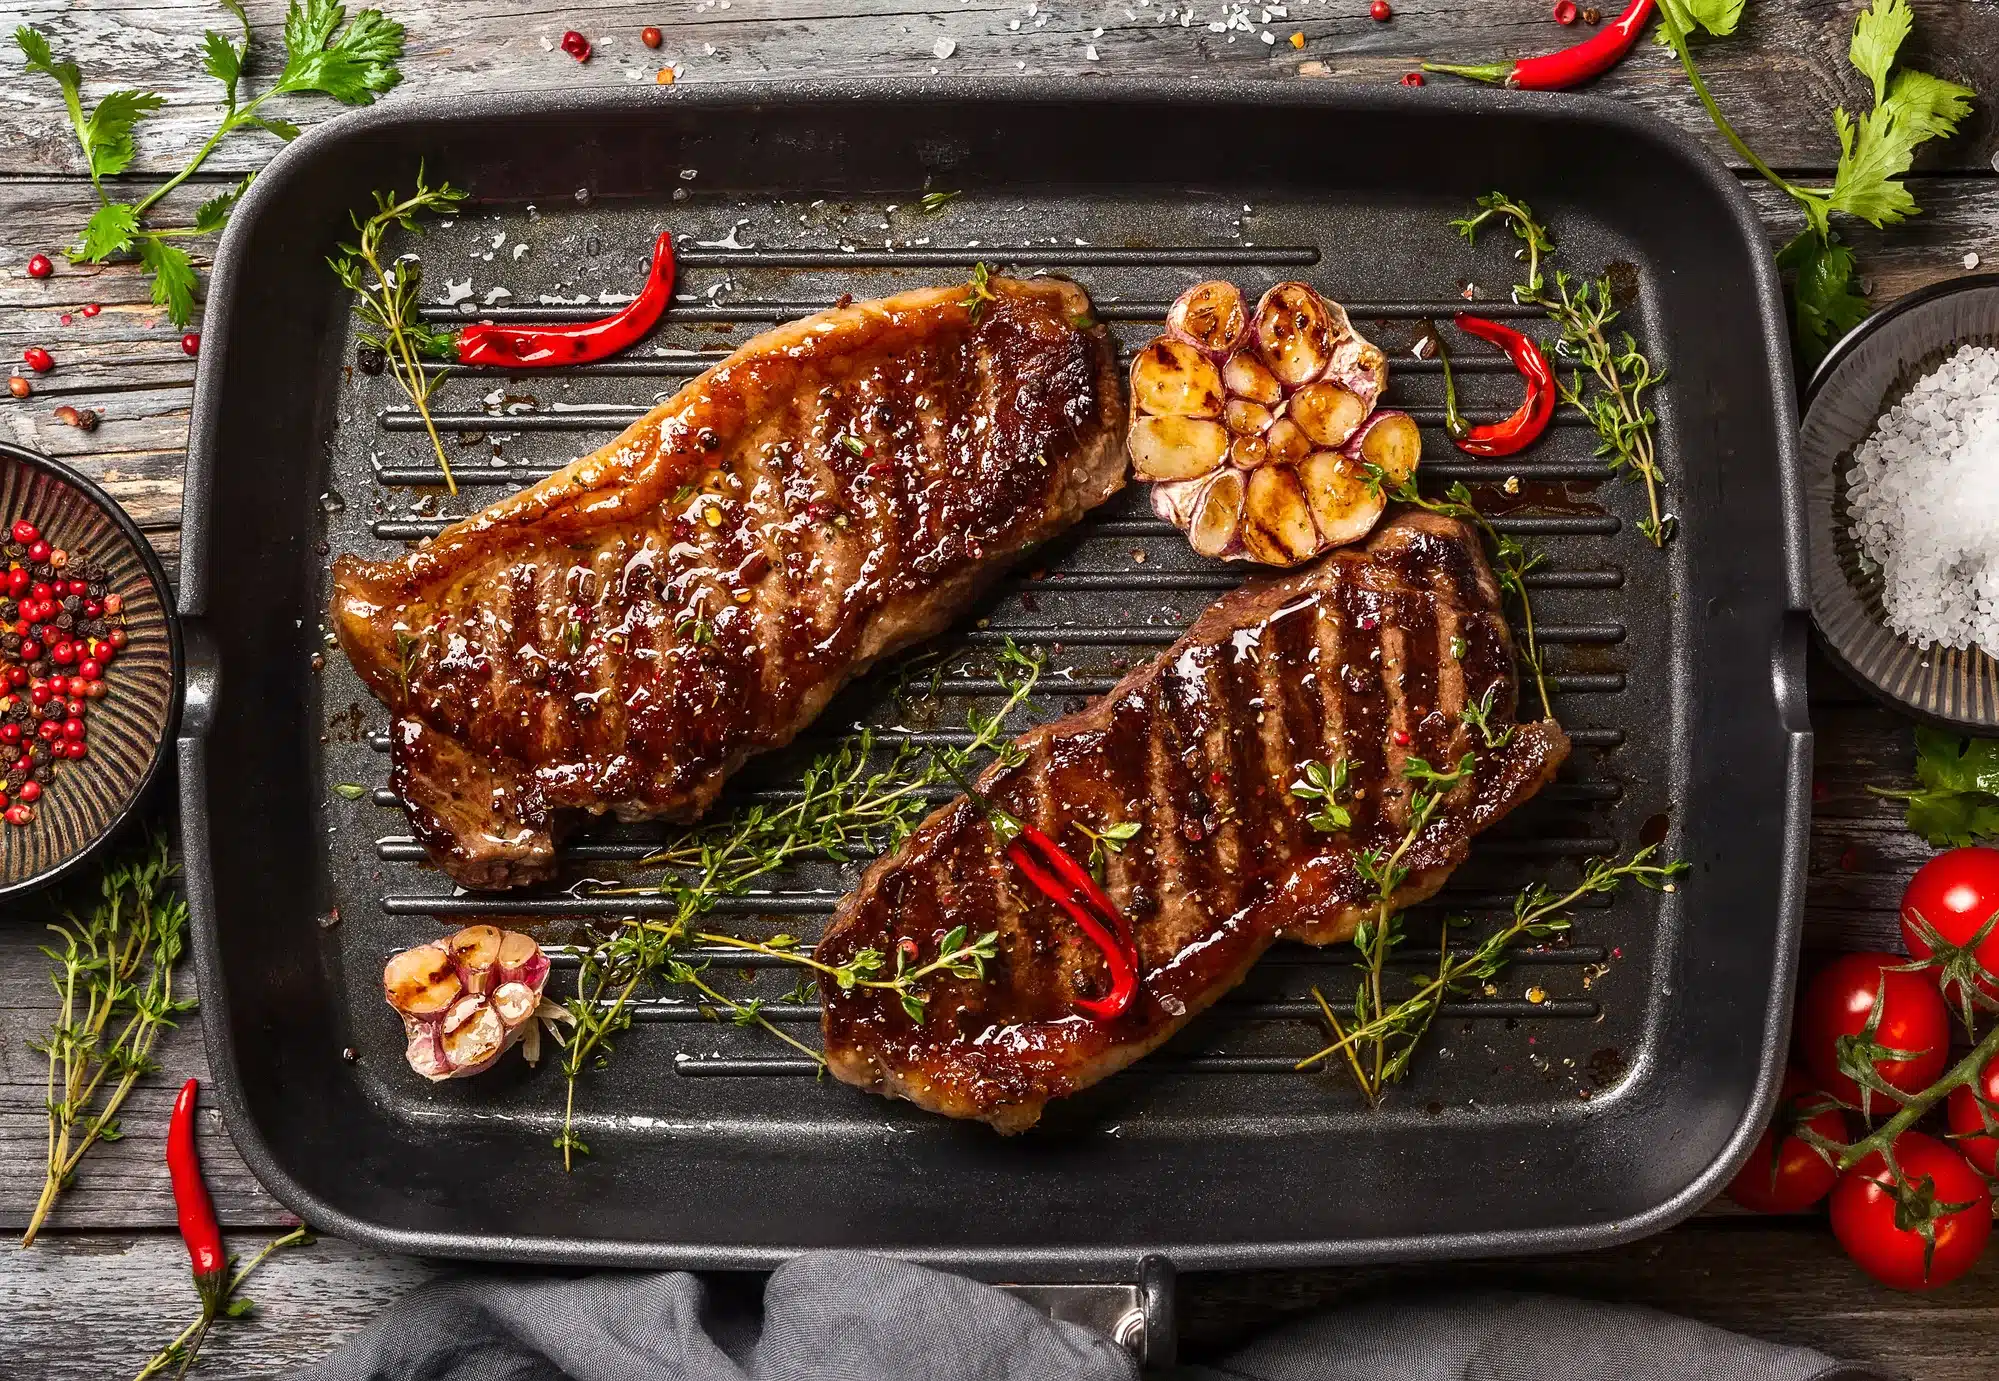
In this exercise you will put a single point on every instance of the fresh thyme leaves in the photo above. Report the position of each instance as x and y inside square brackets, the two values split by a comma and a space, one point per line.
[698, 631]
[1611, 376]
[352, 64]
[933, 202]
[1478, 715]
[352, 791]
[1512, 563]
[845, 806]
[114, 982]
[854, 443]
[408, 648]
[1391, 1033]
[1110, 841]
[1326, 784]
[385, 295]
[181, 1352]
[572, 636]
[979, 292]
[1875, 152]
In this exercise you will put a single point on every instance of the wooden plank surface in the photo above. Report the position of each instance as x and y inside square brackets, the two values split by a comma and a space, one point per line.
[108, 1284]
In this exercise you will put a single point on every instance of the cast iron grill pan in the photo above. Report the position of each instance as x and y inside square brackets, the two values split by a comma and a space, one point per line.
[1595, 1089]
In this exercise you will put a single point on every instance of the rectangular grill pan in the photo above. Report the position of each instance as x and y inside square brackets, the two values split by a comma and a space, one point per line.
[1610, 1108]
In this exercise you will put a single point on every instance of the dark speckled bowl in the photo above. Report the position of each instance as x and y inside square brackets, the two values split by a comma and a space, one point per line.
[1869, 370]
[83, 803]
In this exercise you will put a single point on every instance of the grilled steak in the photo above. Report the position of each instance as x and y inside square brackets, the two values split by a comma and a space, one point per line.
[621, 636]
[1370, 655]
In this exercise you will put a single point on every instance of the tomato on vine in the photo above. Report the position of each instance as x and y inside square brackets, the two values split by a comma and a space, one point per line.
[1974, 1118]
[1871, 1031]
[1921, 1230]
[1795, 1175]
[1950, 916]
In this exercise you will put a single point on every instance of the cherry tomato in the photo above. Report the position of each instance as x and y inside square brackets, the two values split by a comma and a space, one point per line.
[1979, 1142]
[1881, 1224]
[1950, 899]
[1799, 1176]
[1841, 1001]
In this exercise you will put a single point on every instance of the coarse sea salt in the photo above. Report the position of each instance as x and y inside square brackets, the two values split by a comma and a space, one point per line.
[1924, 504]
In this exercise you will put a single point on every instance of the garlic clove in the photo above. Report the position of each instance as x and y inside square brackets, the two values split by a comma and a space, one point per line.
[1170, 378]
[1209, 316]
[1176, 448]
[421, 981]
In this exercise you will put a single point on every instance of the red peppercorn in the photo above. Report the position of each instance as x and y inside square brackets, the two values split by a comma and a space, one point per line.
[649, 36]
[66, 319]
[58, 558]
[63, 654]
[25, 531]
[96, 690]
[38, 552]
[1413, 79]
[72, 728]
[93, 608]
[77, 751]
[190, 344]
[1401, 737]
[119, 637]
[17, 580]
[41, 591]
[18, 386]
[18, 814]
[39, 692]
[576, 46]
[10, 733]
[1381, 11]
[30, 791]
[39, 266]
[32, 652]
[90, 669]
[49, 728]
[113, 603]
[91, 309]
[79, 587]
[38, 359]
[17, 676]
[1566, 11]
[74, 708]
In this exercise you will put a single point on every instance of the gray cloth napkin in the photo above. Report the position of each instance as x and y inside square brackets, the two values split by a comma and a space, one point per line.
[844, 1316]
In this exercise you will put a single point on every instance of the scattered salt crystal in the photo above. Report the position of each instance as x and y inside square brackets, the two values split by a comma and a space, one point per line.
[455, 293]
[1267, 36]
[1924, 504]
[494, 295]
[944, 47]
[1971, 261]
[519, 250]
[1090, 51]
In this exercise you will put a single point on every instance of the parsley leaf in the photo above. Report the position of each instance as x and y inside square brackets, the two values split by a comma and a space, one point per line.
[1825, 302]
[1718, 17]
[1877, 37]
[1956, 798]
[107, 134]
[213, 212]
[353, 66]
[173, 277]
[109, 231]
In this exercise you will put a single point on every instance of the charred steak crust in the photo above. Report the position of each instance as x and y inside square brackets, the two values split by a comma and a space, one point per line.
[1200, 748]
[623, 635]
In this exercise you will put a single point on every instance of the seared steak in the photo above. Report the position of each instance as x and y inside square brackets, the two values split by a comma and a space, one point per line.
[621, 636]
[1371, 655]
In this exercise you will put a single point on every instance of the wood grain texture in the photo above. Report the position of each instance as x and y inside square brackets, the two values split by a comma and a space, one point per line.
[1777, 78]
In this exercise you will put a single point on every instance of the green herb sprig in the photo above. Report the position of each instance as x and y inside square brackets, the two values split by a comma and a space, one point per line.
[1876, 150]
[1611, 375]
[114, 982]
[181, 1352]
[385, 296]
[978, 292]
[1103, 843]
[1955, 800]
[845, 807]
[1325, 784]
[1394, 1031]
[353, 62]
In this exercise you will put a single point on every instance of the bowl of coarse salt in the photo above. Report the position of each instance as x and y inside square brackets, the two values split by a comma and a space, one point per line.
[1900, 447]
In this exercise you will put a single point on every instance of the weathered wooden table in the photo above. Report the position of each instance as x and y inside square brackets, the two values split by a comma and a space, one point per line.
[109, 1283]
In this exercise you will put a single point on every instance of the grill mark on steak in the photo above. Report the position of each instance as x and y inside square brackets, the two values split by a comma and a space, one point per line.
[1199, 747]
[622, 636]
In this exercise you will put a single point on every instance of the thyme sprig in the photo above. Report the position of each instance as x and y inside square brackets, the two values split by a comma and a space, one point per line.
[1477, 714]
[845, 808]
[1538, 914]
[1512, 562]
[957, 955]
[385, 296]
[1325, 783]
[114, 982]
[1611, 375]
[182, 1350]
[979, 292]
[1103, 843]
[1385, 871]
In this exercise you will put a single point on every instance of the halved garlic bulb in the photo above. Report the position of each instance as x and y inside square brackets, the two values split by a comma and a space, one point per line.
[466, 998]
[1258, 431]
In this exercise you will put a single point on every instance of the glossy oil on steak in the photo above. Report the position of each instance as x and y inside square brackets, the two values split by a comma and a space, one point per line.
[623, 635]
[1370, 655]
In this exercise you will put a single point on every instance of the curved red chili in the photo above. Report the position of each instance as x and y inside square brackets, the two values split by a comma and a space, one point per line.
[548, 346]
[1559, 71]
[1529, 420]
[1070, 886]
[192, 1206]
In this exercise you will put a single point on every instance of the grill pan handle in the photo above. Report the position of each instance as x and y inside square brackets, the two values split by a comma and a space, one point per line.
[1138, 1316]
[201, 681]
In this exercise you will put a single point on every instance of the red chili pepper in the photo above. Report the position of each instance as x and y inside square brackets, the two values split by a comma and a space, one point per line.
[196, 1211]
[1529, 420]
[521, 347]
[1594, 56]
[1069, 885]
